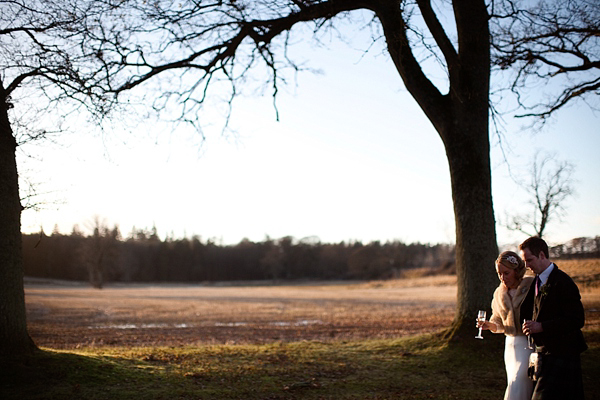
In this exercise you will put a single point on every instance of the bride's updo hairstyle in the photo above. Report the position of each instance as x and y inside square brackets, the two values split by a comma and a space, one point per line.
[511, 260]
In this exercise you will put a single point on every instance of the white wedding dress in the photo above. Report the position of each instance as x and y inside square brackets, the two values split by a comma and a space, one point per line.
[516, 359]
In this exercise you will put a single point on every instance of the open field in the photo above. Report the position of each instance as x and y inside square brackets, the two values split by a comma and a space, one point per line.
[167, 315]
[67, 316]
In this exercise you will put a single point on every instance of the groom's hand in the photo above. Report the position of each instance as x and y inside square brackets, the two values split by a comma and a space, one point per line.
[530, 327]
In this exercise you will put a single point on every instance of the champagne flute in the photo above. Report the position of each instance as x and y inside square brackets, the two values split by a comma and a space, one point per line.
[480, 318]
[529, 339]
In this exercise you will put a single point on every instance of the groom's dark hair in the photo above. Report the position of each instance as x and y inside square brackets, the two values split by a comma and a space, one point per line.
[535, 245]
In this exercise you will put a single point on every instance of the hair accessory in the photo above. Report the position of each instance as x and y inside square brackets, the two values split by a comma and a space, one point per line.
[512, 260]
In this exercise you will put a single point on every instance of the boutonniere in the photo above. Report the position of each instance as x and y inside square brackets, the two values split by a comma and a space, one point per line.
[544, 290]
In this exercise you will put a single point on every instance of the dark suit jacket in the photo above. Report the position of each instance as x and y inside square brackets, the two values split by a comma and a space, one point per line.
[558, 307]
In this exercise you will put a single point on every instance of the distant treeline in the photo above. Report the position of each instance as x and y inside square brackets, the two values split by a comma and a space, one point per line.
[144, 257]
[105, 256]
[582, 247]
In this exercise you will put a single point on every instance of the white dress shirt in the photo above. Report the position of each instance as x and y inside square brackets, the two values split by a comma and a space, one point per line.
[544, 275]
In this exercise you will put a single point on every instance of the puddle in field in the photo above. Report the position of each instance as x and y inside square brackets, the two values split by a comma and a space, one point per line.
[298, 323]
[231, 324]
[140, 326]
[182, 326]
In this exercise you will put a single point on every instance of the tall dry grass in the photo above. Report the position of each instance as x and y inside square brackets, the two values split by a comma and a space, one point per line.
[586, 273]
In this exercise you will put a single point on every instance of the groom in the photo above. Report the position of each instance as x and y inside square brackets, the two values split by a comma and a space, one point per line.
[554, 307]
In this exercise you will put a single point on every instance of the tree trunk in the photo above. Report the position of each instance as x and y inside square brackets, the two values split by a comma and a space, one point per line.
[14, 339]
[461, 119]
[466, 139]
[476, 247]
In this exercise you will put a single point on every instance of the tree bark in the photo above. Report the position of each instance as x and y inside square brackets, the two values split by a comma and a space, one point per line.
[461, 118]
[476, 247]
[14, 338]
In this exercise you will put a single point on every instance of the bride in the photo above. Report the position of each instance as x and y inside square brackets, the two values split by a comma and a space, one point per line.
[506, 319]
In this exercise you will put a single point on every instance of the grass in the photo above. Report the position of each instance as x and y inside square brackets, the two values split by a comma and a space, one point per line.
[585, 272]
[420, 367]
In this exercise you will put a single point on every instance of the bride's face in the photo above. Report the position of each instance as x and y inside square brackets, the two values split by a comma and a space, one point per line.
[507, 276]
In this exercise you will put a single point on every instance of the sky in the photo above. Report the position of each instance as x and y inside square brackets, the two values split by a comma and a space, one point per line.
[352, 158]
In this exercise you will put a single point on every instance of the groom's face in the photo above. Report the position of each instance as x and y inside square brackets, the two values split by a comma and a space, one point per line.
[533, 262]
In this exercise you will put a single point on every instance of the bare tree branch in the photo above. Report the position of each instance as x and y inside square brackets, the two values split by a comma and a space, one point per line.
[553, 43]
[439, 34]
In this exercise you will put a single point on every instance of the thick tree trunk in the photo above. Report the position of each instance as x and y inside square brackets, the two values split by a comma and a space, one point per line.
[476, 247]
[14, 339]
[461, 119]
[466, 139]
[468, 152]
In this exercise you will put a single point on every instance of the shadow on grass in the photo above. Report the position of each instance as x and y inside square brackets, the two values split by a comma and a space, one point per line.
[421, 367]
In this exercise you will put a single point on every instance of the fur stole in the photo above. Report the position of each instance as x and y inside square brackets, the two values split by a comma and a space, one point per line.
[506, 309]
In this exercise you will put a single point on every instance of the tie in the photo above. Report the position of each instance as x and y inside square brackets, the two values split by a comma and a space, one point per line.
[538, 282]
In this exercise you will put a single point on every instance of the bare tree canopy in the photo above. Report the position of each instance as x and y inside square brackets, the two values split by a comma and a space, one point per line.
[47, 71]
[92, 52]
[552, 46]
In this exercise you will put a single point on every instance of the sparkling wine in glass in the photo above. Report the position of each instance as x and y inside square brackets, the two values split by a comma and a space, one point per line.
[480, 318]
[529, 339]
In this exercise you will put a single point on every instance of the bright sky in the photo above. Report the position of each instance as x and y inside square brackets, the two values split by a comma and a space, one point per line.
[352, 158]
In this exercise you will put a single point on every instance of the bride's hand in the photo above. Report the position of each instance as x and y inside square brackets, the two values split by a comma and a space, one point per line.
[486, 326]
[482, 324]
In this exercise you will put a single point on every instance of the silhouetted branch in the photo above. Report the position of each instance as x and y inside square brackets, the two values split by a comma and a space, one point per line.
[554, 43]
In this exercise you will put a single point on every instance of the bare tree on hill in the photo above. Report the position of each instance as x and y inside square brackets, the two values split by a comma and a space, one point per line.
[548, 187]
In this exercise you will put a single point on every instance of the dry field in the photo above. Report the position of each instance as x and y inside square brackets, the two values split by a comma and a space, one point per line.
[66, 316]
